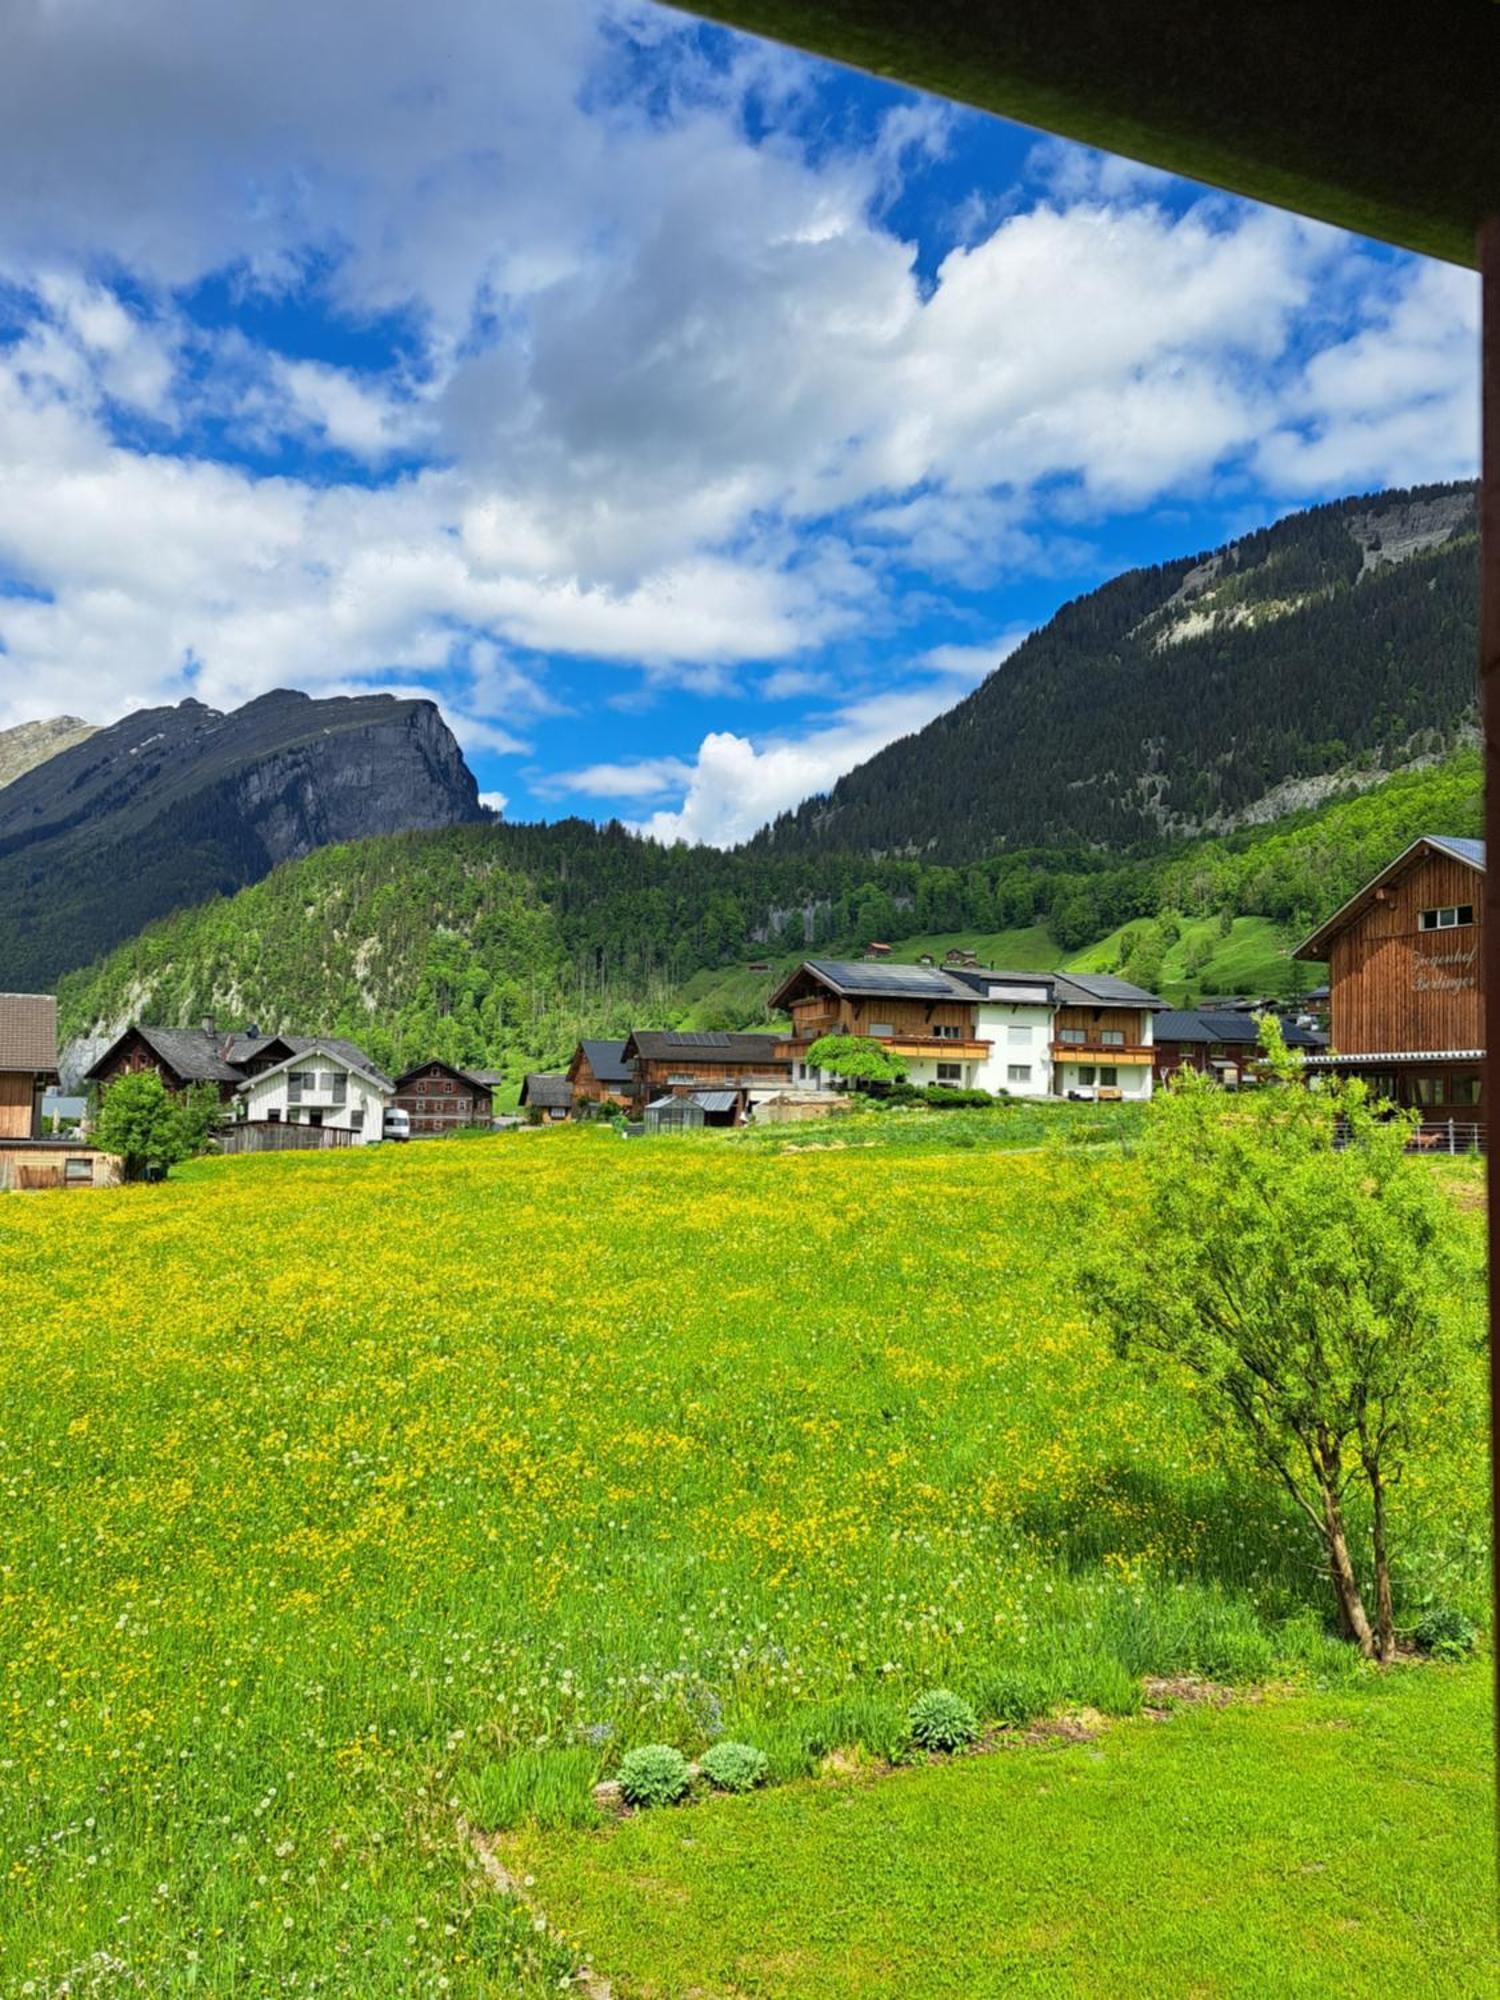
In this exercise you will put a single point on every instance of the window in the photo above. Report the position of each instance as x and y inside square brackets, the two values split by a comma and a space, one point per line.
[1109, 1077]
[273, 1116]
[338, 1083]
[1085, 1072]
[1077, 1035]
[1018, 1038]
[950, 1072]
[947, 1031]
[78, 1173]
[1447, 919]
[1018, 1073]
[357, 1118]
[1463, 1090]
[1112, 1038]
[881, 1028]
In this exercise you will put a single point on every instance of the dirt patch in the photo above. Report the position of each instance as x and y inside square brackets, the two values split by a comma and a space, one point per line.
[1164, 1695]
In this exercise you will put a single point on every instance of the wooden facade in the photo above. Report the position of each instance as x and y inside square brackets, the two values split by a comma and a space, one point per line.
[598, 1077]
[919, 1027]
[1406, 988]
[440, 1100]
[1101, 1035]
[21, 1093]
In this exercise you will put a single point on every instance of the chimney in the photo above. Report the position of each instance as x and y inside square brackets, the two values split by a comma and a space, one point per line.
[209, 1027]
[252, 1029]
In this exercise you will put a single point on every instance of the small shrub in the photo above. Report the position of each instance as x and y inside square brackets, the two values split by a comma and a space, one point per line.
[940, 1720]
[653, 1775]
[1014, 1699]
[1445, 1633]
[734, 1767]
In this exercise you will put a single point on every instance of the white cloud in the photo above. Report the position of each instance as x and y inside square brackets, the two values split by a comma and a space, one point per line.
[496, 801]
[687, 408]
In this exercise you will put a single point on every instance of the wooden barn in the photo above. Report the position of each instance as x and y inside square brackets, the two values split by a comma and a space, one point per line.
[440, 1099]
[740, 1068]
[1406, 981]
[28, 1068]
[600, 1074]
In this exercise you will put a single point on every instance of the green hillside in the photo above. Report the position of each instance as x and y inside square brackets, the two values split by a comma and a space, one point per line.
[501, 946]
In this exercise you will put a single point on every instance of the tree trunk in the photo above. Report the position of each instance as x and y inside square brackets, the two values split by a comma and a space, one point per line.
[1385, 1623]
[1353, 1620]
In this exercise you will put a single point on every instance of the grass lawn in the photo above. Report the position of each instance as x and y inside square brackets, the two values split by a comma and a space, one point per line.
[347, 1494]
[1329, 1843]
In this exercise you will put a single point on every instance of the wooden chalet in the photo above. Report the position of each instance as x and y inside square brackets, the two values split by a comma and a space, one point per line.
[728, 1074]
[439, 1099]
[1405, 960]
[1223, 1044]
[29, 1158]
[600, 1074]
[183, 1057]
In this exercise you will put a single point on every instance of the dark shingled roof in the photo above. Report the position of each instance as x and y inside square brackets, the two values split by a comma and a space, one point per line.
[199, 1057]
[479, 1078]
[547, 1092]
[28, 1032]
[663, 1045]
[1207, 1024]
[607, 1061]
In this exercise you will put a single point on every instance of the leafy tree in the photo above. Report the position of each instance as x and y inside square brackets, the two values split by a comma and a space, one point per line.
[144, 1123]
[1285, 1251]
[857, 1059]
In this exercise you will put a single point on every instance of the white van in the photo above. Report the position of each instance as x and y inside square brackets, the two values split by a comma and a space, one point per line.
[396, 1124]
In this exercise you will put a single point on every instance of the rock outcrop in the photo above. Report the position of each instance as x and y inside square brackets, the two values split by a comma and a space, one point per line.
[174, 805]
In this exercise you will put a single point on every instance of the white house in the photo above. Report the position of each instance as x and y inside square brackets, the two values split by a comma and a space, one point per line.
[1014, 1016]
[318, 1086]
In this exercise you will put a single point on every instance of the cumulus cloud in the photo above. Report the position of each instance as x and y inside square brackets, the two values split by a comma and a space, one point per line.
[670, 398]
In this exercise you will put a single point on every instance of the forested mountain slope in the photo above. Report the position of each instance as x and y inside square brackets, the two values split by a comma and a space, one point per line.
[1193, 696]
[170, 805]
[501, 945]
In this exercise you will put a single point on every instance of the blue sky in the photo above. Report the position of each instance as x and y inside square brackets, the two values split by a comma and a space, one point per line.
[687, 417]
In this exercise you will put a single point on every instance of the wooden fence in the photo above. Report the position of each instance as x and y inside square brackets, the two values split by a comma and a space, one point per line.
[260, 1136]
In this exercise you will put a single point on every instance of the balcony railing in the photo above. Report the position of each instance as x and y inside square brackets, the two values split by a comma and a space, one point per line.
[1102, 1052]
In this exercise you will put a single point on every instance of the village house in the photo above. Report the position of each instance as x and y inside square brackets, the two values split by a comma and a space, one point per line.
[599, 1073]
[1223, 1045]
[1405, 960]
[548, 1095]
[439, 1099]
[1043, 1034]
[726, 1075]
[28, 1070]
[322, 1086]
[183, 1057]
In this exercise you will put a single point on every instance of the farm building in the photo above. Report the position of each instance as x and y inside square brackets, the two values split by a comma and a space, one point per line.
[599, 1073]
[1405, 961]
[28, 1070]
[547, 1095]
[669, 1064]
[1222, 1045]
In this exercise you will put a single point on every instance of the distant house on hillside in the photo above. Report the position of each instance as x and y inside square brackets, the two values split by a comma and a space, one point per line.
[1405, 960]
[28, 1069]
[547, 1094]
[183, 1057]
[877, 951]
[439, 1099]
[727, 1074]
[1223, 1045]
[959, 955]
[599, 1073]
[320, 1086]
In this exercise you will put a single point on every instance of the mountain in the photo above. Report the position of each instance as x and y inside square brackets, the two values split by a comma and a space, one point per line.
[173, 805]
[1194, 696]
[32, 743]
[499, 946]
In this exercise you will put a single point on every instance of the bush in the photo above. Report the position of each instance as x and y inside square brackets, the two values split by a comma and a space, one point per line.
[940, 1720]
[1014, 1699]
[946, 1097]
[653, 1775]
[734, 1767]
[1445, 1633]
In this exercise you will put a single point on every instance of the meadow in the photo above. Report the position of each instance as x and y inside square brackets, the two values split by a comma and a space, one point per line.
[350, 1496]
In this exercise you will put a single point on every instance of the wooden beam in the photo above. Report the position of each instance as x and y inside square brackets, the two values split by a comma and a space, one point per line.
[1489, 697]
[1381, 120]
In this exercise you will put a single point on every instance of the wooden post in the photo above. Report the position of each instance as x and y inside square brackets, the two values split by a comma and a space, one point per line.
[1489, 696]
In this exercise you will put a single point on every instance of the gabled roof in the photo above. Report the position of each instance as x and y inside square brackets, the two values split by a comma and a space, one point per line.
[607, 1061]
[190, 1053]
[666, 1045]
[338, 1051]
[471, 1076]
[1101, 989]
[28, 1032]
[1470, 852]
[547, 1091]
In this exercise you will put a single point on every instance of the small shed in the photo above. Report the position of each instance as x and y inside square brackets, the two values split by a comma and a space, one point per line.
[547, 1095]
[675, 1114]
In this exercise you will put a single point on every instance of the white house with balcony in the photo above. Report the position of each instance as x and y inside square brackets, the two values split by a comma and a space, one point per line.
[1043, 1034]
[321, 1085]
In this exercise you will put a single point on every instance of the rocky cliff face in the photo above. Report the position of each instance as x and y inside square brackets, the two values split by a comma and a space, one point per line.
[174, 805]
[32, 743]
